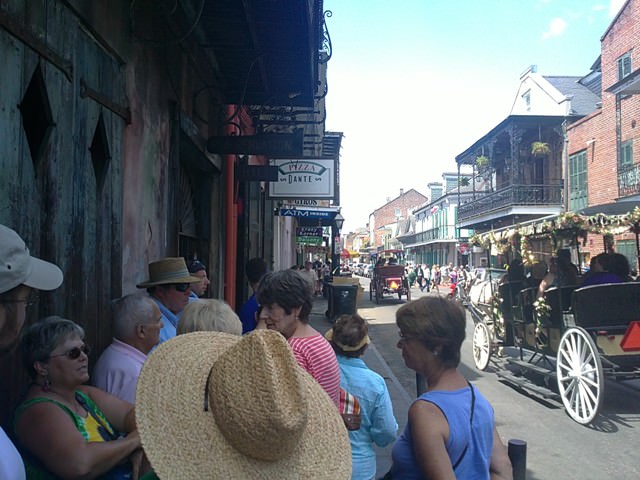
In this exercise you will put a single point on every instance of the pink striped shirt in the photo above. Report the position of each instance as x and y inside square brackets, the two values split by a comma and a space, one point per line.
[316, 356]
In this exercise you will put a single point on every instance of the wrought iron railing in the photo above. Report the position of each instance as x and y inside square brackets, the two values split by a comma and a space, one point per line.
[628, 180]
[514, 195]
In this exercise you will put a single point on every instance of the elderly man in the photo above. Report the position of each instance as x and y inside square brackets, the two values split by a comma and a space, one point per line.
[169, 285]
[136, 330]
[20, 275]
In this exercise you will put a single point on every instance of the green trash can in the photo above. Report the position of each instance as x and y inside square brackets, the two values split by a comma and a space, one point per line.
[342, 300]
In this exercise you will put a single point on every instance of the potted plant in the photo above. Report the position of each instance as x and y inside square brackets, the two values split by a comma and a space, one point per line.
[482, 161]
[540, 149]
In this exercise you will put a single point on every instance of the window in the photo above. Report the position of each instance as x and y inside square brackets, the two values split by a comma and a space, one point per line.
[626, 153]
[526, 98]
[578, 180]
[628, 249]
[624, 65]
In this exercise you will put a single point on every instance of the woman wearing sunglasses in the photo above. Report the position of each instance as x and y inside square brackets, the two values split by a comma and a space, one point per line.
[67, 429]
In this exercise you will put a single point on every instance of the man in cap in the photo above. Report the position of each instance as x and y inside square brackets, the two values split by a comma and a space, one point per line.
[198, 269]
[137, 322]
[169, 285]
[20, 275]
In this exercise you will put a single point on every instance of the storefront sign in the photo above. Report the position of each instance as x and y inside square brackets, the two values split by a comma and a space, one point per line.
[309, 231]
[304, 178]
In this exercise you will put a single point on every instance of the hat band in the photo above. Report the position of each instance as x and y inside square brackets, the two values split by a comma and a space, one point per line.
[168, 276]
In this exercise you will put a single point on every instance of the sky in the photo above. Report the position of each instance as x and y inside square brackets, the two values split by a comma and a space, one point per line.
[413, 83]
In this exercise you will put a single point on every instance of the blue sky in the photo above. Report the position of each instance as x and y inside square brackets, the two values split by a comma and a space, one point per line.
[413, 83]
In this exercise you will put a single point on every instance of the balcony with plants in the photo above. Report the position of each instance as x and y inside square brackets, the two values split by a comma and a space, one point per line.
[517, 173]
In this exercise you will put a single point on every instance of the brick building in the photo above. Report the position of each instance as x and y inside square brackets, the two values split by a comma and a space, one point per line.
[384, 221]
[603, 169]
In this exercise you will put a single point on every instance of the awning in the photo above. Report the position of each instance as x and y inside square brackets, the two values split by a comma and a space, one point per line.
[615, 208]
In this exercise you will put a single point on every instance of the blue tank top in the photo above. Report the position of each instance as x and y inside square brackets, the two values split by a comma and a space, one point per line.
[476, 438]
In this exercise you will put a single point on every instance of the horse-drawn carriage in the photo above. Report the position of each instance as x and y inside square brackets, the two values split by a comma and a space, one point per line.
[388, 275]
[569, 340]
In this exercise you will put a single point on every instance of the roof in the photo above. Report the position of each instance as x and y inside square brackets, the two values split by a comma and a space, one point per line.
[583, 100]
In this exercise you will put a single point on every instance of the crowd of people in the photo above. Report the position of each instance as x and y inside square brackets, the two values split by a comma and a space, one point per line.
[190, 389]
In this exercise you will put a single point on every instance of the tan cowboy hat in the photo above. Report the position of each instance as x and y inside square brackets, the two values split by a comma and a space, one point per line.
[211, 405]
[168, 270]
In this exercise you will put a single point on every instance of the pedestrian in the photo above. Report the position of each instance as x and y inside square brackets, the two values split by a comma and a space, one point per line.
[420, 277]
[198, 269]
[136, 324]
[349, 339]
[21, 275]
[451, 429]
[310, 275]
[255, 269]
[237, 408]
[169, 285]
[286, 301]
[427, 277]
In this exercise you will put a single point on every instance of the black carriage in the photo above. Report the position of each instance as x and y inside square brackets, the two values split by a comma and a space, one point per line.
[388, 275]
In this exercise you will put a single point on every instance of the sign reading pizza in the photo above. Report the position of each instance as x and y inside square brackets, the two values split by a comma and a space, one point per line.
[304, 178]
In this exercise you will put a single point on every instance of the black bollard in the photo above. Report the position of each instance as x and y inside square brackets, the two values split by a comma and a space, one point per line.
[518, 456]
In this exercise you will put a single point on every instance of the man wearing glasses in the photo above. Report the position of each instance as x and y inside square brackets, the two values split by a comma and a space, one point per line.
[20, 275]
[169, 285]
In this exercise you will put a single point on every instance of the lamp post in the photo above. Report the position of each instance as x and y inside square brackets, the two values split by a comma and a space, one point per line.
[338, 221]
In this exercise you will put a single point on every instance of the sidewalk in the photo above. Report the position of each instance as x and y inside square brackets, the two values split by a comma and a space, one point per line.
[399, 397]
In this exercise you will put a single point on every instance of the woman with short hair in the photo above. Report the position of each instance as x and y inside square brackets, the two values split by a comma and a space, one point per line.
[349, 338]
[286, 301]
[450, 431]
[67, 429]
[209, 315]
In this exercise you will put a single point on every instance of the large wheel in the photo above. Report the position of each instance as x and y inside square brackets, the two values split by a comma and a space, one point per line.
[580, 375]
[481, 345]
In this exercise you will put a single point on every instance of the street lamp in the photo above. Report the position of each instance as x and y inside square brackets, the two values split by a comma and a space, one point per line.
[339, 219]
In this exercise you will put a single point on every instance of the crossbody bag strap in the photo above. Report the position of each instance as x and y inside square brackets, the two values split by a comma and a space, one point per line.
[473, 404]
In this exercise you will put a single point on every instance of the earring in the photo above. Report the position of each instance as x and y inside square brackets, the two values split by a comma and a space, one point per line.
[46, 385]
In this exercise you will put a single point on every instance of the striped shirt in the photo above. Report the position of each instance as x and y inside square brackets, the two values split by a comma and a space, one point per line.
[316, 356]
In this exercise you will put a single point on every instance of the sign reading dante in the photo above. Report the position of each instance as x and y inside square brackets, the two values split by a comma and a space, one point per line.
[308, 178]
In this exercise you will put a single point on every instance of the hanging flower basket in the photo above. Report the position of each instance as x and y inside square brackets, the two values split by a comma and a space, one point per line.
[482, 161]
[540, 149]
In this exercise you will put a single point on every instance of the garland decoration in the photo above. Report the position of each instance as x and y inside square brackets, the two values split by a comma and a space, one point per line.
[541, 312]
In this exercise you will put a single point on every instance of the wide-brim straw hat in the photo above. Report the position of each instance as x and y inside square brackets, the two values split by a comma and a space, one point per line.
[168, 271]
[211, 405]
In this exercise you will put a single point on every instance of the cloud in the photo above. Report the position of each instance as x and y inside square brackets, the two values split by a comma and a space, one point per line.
[614, 7]
[557, 26]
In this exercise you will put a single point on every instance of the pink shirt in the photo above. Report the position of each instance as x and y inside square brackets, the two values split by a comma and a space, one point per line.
[316, 356]
[117, 370]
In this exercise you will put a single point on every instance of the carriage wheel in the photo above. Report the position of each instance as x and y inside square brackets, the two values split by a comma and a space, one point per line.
[481, 345]
[580, 375]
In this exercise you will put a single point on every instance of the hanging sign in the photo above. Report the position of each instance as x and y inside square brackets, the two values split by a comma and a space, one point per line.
[304, 178]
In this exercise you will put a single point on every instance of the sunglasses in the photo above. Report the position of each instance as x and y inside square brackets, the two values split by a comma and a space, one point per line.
[74, 353]
[181, 287]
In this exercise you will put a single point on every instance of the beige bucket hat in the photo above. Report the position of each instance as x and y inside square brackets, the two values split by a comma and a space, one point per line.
[211, 405]
[167, 271]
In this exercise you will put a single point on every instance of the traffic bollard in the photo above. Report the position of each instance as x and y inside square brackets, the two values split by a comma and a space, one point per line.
[518, 456]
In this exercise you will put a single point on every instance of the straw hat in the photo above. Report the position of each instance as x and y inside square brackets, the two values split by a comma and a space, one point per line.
[211, 405]
[167, 271]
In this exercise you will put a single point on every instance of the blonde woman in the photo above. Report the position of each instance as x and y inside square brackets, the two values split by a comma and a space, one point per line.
[209, 315]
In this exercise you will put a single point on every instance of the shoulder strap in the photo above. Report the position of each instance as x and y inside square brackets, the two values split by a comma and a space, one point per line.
[77, 420]
[473, 404]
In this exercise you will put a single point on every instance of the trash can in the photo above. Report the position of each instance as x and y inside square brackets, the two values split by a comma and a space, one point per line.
[342, 300]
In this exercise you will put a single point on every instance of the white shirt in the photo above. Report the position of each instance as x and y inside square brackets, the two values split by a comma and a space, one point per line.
[117, 370]
[11, 465]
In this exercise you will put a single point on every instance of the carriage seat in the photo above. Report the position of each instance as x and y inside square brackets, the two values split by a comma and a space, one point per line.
[390, 270]
[560, 301]
[510, 294]
[607, 305]
[526, 298]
